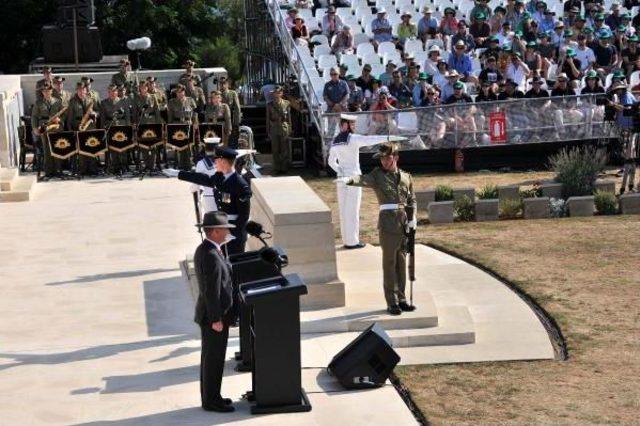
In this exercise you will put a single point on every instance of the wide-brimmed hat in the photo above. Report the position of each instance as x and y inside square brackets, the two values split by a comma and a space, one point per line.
[348, 117]
[386, 149]
[46, 86]
[58, 79]
[86, 79]
[562, 76]
[189, 63]
[217, 219]
[211, 141]
[427, 9]
[277, 88]
[406, 13]
[591, 74]
[571, 53]
[381, 10]
[617, 85]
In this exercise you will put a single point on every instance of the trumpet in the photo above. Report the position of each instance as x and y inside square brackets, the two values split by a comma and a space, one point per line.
[87, 118]
[50, 126]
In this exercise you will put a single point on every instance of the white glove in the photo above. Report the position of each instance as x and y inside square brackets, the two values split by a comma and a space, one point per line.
[345, 179]
[413, 224]
[170, 172]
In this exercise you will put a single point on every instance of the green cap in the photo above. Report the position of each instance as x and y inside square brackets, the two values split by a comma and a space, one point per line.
[622, 28]
[587, 30]
[518, 33]
[480, 15]
[423, 76]
[351, 77]
[526, 15]
[581, 18]
[591, 74]
[518, 54]
[458, 85]
[493, 38]
[570, 52]
[599, 17]
[634, 38]
[618, 74]
[568, 33]
[532, 44]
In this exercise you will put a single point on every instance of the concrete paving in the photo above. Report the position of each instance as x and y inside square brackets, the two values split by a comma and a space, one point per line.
[97, 322]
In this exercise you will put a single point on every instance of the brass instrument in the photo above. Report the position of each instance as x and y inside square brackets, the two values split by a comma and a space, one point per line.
[86, 118]
[50, 126]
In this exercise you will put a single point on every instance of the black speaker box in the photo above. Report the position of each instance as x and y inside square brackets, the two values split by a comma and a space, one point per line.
[367, 361]
[58, 44]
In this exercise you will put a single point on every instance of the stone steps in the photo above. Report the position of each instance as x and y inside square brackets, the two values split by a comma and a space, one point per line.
[15, 188]
[455, 327]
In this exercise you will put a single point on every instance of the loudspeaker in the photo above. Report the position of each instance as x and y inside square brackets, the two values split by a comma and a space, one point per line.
[367, 361]
[85, 12]
[58, 44]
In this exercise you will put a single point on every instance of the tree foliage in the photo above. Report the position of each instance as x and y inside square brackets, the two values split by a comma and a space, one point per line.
[179, 30]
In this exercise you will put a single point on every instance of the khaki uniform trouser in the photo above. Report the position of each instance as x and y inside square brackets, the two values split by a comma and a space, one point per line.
[150, 157]
[394, 266]
[118, 160]
[87, 165]
[280, 150]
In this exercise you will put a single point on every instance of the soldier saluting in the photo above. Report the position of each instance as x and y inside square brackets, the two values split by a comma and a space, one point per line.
[394, 190]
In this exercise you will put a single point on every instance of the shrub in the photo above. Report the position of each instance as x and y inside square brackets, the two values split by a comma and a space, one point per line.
[606, 202]
[558, 207]
[464, 208]
[444, 193]
[533, 192]
[577, 169]
[511, 209]
[488, 192]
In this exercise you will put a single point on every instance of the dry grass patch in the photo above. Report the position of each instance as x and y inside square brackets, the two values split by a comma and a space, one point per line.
[584, 272]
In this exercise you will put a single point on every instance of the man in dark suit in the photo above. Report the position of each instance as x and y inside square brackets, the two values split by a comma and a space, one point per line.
[213, 308]
[233, 194]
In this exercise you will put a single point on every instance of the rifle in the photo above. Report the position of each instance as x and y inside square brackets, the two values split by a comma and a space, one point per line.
[411, 251]
[196, 205]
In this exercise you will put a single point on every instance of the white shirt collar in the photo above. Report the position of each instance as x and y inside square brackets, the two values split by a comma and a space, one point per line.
[217, 246]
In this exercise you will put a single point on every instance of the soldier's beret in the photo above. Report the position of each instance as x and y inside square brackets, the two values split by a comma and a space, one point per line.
[386, 149]
[227, 153]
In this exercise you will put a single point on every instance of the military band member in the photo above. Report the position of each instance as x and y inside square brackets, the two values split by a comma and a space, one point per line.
[146, 111]
[81, 106]
[196, 93]
[279, 128]
[157, 92]
[59, 92]
[394, 190]
[207, 166]
[233, 194]
[47, 79]
[219, 113]
[230, 97]
[42, 112]
[182, 109]
[115, 112]
[124, 76]
[93, 94]
[188, 73]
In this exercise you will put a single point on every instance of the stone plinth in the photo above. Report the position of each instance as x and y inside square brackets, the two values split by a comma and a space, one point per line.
[537, 208]
[300, 222]
[630, 203]
[441, 212]
[508, 192]
[581, 206]
[551, 189]
[424, 197]
[606, 185]
[461, 192]
[487, 210]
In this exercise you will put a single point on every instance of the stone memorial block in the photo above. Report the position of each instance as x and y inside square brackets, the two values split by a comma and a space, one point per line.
[581, 206]
[487, 210]
[630, 203]
[460, 192]
[441, 212]
[537, 208]
[509, 192]
[424, 197]
[551, 189]
[606, 185]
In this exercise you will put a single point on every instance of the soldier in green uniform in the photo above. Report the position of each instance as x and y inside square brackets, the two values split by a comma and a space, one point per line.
[157, 92]
[146, 111]
[219, 113]
[196, 93]
[115, 112]
[47, 78]
[59, 92]
[42, 112]
[394, 191]
[93, 94]
[79, 104]
[182, 109]
[279, 128]
[230, 97]
[124, 76]
[189, 74]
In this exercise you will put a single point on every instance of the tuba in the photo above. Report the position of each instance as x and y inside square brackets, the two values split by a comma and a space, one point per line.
[87, 118]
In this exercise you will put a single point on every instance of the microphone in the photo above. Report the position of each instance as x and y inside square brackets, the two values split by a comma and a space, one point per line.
[254, 229]
[272, 257]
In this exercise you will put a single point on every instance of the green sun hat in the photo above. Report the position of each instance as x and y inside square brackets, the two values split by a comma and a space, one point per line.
[480, 15]
[526, 15]
[598, 17]
[458, 85]
[618, 74]
[634, 38]
[532, 44]
[591, 74]
[587, 30]
[351, 77]
[423, 76]
[571, 53]
[518, 33]
[568, 33]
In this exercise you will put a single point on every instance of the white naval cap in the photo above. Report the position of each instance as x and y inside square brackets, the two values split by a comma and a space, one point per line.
[348, 117]
[214, 141]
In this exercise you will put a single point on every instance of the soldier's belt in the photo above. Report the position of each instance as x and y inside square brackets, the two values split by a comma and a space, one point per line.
[391, 207]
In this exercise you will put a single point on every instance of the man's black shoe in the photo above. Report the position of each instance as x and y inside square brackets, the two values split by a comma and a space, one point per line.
[406, 307]
[355, 246]
[394, 310]
[219, 408]
[225, 401]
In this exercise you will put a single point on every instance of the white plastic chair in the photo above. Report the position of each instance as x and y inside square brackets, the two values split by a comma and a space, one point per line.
[634, 79]
[413, 46]
[371, 58]
[360, 38]
[320, 12]
[404, 5]
[377, 69]
[364, 48]
[305, 14]
[362, 12]
[343, 12]
[322, 49]
[392, 56]
[312, 24]
[327, 61]
[321, 39]
[349, 60]
[386, 47]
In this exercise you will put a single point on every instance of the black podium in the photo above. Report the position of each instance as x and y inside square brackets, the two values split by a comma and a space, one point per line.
[247, 267]
[276, 372]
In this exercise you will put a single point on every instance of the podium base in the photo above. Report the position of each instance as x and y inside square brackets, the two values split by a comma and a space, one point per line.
[304, 406]
[242, 367]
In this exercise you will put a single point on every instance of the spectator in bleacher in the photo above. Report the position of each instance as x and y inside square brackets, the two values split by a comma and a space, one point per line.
[584, 54]
[336, 95]
[420, 89]
[458, 95]
[381, 124]
[515, 17]
[562, 87]
[570, 65]
[498, 18]
[620, 38]
[626, 21]
[605, 52]
[511, 91]
[566, 109]
[548, 21]
[557, 37]
[570, 4]
[463, 35]
[531, 57]
[331, 23]
[385, 77]
[426, 22]
[377, 88]
[356, 95]
[449, 23]
[430, 65]
[598, 23]
[343, 42]
[299, 32]
[480, 6]
[304, 4]
[342, 71]
[493, 49]
[547, 51]
[434, 39]
[536, 90]
[381, 27]
[411, 80]
[505, 36]
[480, 29]
[567, 43]
[439, 78]
[487, 92]
[592, 83]
[571, 16]
[408, 60]
[289, 21]
[517, 70]
[538, 14]
[518, 44]
[406, 29]
[617, 76]
[491, 74]
[399, 90]
[365, 81]
[446, 89]
[631, 55]
[579, 25]
[614, 20]
[460, 61]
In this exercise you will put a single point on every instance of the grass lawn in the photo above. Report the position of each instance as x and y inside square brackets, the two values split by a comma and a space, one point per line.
[584, 272]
